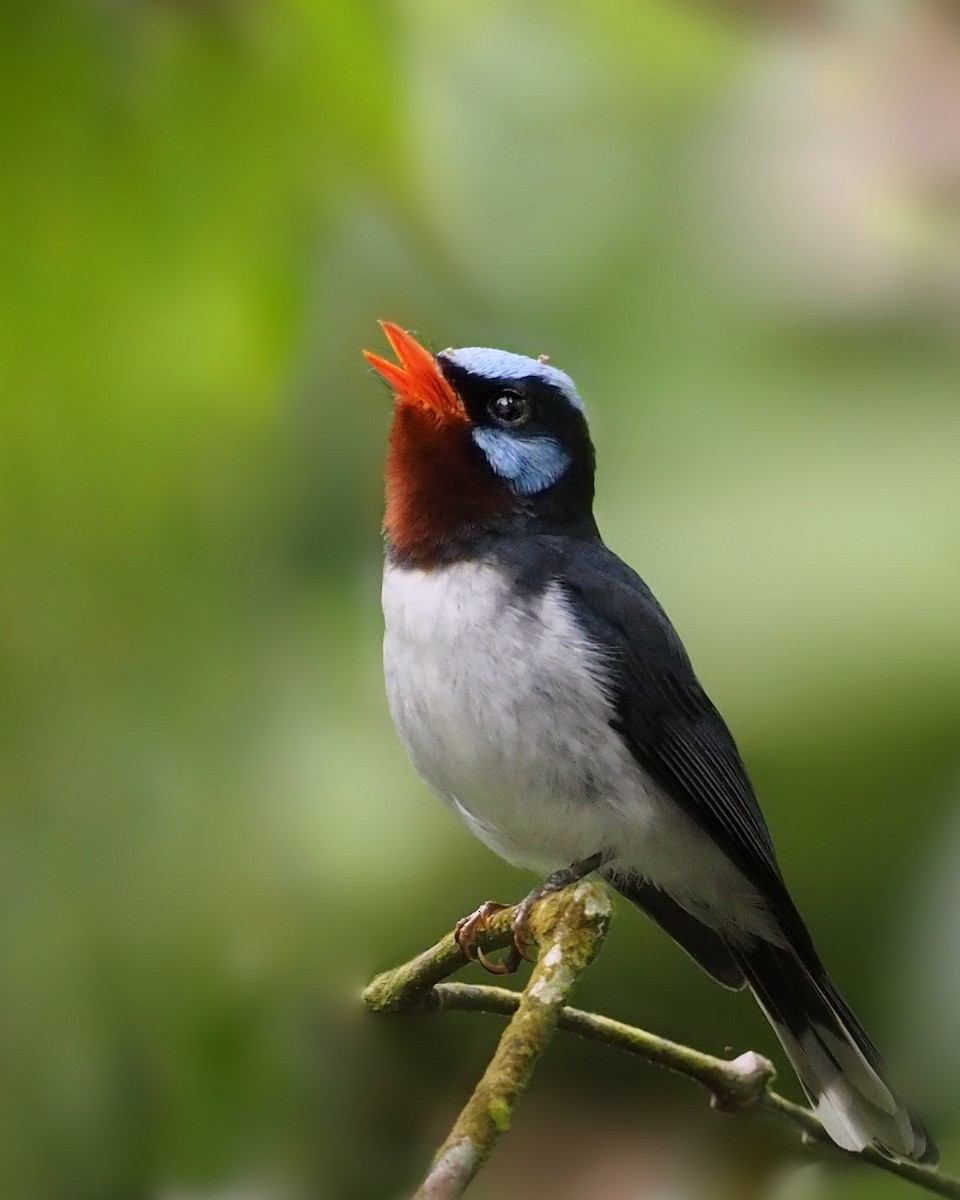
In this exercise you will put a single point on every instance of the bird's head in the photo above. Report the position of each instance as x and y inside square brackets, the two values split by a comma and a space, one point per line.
[482, 441]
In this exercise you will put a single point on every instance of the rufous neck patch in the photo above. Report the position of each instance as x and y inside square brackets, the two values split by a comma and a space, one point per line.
[437, 486]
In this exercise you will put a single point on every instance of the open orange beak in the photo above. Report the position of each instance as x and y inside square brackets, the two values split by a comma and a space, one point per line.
[417, 377]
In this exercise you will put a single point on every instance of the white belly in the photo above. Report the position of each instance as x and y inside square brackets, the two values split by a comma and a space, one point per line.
[501, 704]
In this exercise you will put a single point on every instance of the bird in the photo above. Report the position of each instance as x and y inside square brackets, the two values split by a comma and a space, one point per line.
[541, 691]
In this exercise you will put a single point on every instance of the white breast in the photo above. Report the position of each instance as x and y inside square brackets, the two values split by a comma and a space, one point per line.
[501, 703]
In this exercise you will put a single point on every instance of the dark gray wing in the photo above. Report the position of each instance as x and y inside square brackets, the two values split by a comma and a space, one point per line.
[665, 717]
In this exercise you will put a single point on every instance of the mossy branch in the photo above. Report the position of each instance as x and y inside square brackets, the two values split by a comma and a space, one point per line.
[568, 928]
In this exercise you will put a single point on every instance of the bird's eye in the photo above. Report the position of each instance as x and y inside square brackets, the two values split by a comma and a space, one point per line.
[509, 408]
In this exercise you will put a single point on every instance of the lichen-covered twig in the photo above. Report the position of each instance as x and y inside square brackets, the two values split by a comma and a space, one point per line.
[569, 928]
[734, 1084]
[405, 987]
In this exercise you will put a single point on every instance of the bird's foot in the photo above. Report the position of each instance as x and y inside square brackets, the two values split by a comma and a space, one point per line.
[523, 940]
[469, 929]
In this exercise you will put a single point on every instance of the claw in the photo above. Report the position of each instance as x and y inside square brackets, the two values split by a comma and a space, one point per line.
[507, 965]
[468, 929]
[523, 942]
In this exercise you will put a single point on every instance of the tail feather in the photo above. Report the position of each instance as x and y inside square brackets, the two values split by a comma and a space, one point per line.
[704, 945]
[836, 1063]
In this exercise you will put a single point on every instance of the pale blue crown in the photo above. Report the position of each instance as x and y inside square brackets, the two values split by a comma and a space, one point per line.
[502, 365]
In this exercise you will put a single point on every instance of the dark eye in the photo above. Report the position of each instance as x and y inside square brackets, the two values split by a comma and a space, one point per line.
[509, 408]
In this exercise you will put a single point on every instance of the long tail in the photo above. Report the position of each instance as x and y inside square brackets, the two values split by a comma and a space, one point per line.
[837, 1064]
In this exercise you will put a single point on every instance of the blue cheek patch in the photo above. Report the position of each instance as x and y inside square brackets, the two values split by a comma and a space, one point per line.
[529, 465]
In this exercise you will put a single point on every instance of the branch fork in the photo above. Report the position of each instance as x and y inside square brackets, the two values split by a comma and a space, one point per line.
[568, 928]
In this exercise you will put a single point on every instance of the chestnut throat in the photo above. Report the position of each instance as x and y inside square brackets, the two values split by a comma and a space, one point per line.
[444, 504]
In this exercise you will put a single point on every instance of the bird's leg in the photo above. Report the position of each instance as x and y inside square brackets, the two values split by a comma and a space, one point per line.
[467, 931]
[553, 883]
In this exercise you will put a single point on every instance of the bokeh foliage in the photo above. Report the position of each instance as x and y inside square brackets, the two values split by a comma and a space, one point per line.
[209, 834]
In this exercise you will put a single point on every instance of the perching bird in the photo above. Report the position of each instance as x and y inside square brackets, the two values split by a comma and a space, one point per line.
[542, 692]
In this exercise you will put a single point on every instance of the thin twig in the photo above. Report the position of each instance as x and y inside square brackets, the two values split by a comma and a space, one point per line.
[734, 1085]
[568, 928]
[405, 986]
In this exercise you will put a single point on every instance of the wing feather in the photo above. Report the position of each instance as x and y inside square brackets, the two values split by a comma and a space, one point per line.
[669, 723]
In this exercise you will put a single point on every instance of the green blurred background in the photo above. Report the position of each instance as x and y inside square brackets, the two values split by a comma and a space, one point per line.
[740, 232]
